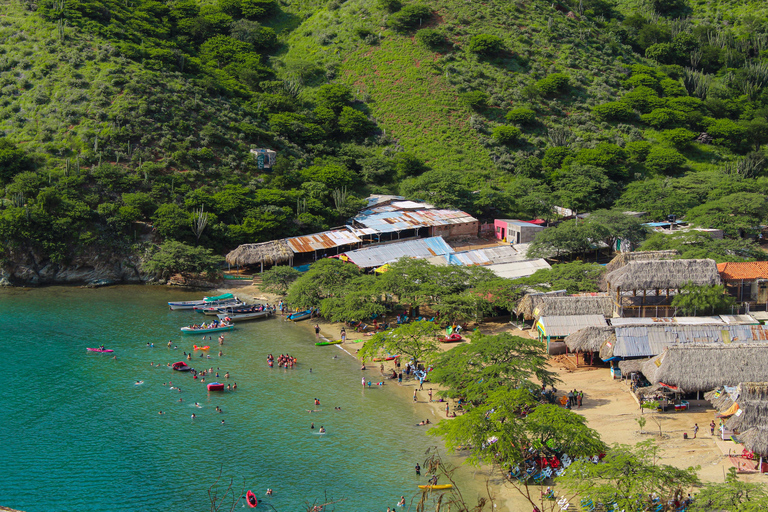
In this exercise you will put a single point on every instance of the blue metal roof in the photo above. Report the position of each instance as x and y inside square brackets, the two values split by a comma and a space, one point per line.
[387, 253]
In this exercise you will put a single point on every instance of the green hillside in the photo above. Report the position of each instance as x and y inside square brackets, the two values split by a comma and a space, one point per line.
[119, 116]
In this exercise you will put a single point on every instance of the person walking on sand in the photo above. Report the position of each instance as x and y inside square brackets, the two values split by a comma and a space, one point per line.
[414, 395]
[712, 427]
[317, 331]
[579, 398]
[343, 335]
[430, 394]
[695, 429]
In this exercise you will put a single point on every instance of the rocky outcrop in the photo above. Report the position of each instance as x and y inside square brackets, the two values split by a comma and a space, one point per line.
[93, 268]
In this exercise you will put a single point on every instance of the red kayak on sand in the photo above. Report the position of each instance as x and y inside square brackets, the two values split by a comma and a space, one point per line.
[451, 339]
[102, 350]
[251, 499]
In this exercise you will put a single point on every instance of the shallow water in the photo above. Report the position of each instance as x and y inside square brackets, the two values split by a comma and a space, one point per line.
[77, 433]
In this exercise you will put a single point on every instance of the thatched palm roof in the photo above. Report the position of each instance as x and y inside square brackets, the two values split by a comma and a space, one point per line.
[528, 303]
[756, 440]
[753, 404]
[719, 398]
[270, 253]
[536, 306]
[705, 366]
[625, 257]
[632, 365]
[663, 274]
[589, 339]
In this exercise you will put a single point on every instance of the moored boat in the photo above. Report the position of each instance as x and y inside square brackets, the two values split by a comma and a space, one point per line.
[190, 304]
[102, 350]
[300, 315]
[436, 487]
[240, 317]
[203, 329]
[324, 343]
[214, 306]
[215, 386]
[181, 366]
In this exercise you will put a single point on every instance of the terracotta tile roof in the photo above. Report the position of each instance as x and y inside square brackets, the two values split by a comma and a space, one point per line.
[747, 270]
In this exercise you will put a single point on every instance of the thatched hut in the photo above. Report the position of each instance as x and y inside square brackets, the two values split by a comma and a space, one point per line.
[589, 339]
[702, 367]
[527, 304]
[756, 440]
[719, 398]
[752, 401]
[655, 276]
[275, 251]
[626, 257]
[632, 366]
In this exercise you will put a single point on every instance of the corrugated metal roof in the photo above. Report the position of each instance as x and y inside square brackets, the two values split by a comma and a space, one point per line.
[518, 269]
[522, 223]
[379, 255]
[386, 219]
[651, 340]
[561, 326]
[679, 320]
[739, 319]
[361, 232]
[410, 205]
[325, 240]
[487, 256]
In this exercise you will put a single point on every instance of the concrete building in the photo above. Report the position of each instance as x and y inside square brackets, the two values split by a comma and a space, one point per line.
[516, 231]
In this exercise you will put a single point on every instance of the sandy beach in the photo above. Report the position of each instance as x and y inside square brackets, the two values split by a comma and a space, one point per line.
[608, 406]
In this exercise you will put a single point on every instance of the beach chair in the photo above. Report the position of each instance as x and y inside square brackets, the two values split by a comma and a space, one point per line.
[563, 503]
[559, 472]
[587, 504]
[565, 460]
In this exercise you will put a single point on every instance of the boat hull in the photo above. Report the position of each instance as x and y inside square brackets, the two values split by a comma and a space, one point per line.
[189, 330]
[324, 343]
[436, 487]
[100, 350]
[242, 317]
[301, 315]
[190, 304]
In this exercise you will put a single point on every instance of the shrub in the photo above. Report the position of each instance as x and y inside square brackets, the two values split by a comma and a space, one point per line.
[671, 87]
[638, 150]
[506, 134]
[430, 38]
[390, 5]
[686, 104]
[661, 117]
[521, 115]
[474, 99]
[679, 137]
[555, 83]
[409, 17]
[613, 111]
[354, 123]
[727, 133]
[642, 79]
[486, 44]
[643, 99]
[664, 160]
[664, 53]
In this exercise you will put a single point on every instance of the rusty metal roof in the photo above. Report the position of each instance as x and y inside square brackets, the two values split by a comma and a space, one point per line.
[387, 219]
[320, 241]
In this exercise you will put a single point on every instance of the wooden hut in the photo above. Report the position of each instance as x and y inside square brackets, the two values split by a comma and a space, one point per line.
[559, 305]
[689, 368]
[652, 277]
[746, 410]
[527, 304]
[275, 251]
[588, 341]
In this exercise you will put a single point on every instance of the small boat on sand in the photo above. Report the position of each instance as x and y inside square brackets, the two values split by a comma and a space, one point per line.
[181, 366]
[190, 304]
[215, 386]
[453, 338]
[324, 343]
[102, 350]
[205, 329]
[300, 315]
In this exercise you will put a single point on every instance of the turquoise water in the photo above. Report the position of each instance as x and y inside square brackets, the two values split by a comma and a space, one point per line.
[77, 434]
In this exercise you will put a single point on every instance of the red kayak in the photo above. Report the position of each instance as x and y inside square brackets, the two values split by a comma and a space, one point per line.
[451, 339]
[102, 350]
[251, 499]
[215, 386]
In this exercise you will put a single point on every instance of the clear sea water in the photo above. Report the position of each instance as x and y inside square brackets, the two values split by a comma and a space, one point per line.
[77, 433]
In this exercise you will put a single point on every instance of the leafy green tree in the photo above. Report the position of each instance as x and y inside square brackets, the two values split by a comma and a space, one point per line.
[671, 8]
[638, 150]
[500, 293]
[678, 138]
[325, 278]
[736, 214]
[485, 44]
[584, 187]
[643, 99]
[628, 474]
[256, 9]
[175, 257]
[521, 115]
[664, 160]
[728, 133]
[506, 134]
[279, 278]
[223, 50]
[556, 83]
[354, 123]
[663, 53]
[12, 161]
[732, 495]
[613, 111]
[171, 221]
[416, 341]
[662, 117]
[431, 38]
[703, 300]
[334, 96]
[574, 277]
[489, 363]
[474, 99]
[332, 175]
[359, 300]
[609, 226]
[567, 238]
[699, 245]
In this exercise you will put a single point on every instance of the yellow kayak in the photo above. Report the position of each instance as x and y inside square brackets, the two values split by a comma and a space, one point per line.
[436, 487]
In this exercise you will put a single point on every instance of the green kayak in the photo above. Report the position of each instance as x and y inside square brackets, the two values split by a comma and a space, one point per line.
[323, 343]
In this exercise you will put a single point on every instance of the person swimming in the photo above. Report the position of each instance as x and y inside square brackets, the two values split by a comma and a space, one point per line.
[139, 382]
[322, 430]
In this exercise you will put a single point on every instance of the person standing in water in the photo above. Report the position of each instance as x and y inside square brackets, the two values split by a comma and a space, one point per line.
[317, 331]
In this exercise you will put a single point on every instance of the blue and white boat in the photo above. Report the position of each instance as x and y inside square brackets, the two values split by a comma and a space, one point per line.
[300, 315]
[205, 301]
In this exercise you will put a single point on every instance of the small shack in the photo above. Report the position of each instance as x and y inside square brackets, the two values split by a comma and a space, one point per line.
[655, 281]
[588, 341]
[516, 231]
[554, 329]
[309, 248]
[376, 256]
[747, 281]
[534, 306]
[269, 253]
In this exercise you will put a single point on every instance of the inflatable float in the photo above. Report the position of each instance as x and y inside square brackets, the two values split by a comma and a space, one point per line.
[201, 348]
[101, 350]
[251, 499]
[453, 338]
[215, 386]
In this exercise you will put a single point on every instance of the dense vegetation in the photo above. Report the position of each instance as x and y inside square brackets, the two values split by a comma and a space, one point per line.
[120, 116]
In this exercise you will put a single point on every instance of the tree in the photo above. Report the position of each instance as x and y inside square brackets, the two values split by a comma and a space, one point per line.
[472, 371]
[485, 44]
[325, 278]
[574, 277]
[610, 226]
[613, 111]
[698, 245]
[736, 214]
[409, 17]
[279, 278]
[359, 300]
[416, 341]
[556, 83]
[628, 474]
[583, 188]
[678, 138]
[569, 237]
[664, 160]
[354, 123]
[175, 257]
[732, 495]
[171, 221]
[506, 134]
[334, 96]
[703, 300]
[521, 115]
[12, 161]
[431, 38]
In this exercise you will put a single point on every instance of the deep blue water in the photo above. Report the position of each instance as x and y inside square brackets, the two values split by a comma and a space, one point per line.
[77, 433]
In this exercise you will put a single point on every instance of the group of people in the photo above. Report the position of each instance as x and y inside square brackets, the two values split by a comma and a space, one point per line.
[574, 399]
[283, 361]
[214, 324]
